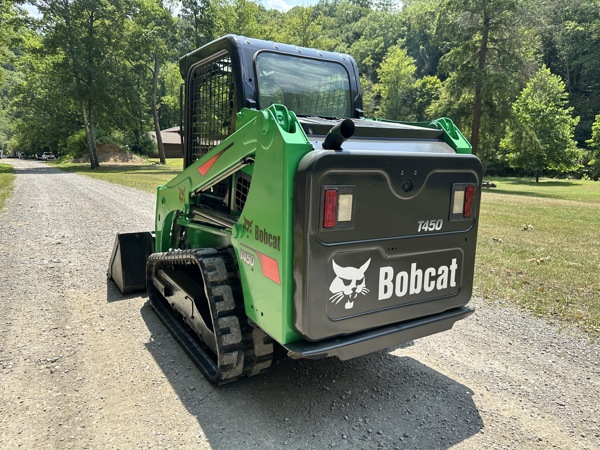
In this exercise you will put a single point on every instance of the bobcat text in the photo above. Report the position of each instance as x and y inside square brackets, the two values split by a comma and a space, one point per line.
[416, 281]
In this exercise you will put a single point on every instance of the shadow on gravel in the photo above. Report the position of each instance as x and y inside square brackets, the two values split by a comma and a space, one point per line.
[376, 401]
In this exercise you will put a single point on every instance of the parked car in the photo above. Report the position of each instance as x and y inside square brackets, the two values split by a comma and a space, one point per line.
[47, 156]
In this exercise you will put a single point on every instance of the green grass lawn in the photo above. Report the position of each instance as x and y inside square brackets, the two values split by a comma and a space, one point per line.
[145, 177]
[538, 248]
[7, 177]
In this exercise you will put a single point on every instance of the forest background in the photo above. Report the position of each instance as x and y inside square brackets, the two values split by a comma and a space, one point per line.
[521, 78]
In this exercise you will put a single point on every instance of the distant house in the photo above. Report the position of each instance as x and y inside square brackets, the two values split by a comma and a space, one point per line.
[171, 142]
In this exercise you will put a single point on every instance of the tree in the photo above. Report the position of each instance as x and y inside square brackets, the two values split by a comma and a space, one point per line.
[200, 14]
[369, 96]
[44, 111]
[341, 20]
[570, 36]
[148, 32]
[489, 55]
[378, 31]
[541, 134]
[83, 34]
[170, 82]
[427, 91]
[7, 31]
[396, 80]
[594, 148]
[304, 27]
[418, 32]
[12, 34]
[242, 17]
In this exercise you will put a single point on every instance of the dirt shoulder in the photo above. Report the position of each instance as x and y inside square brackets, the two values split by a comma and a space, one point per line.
[83, 367]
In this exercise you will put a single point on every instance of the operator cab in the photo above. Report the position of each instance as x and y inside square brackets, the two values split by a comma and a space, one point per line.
[236, 72]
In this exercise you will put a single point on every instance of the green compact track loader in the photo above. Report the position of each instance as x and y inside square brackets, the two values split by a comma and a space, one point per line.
[297, 223]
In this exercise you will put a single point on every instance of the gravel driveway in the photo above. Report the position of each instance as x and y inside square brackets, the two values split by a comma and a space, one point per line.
[83, 367]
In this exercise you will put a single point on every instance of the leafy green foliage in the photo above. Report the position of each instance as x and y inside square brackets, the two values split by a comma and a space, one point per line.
[396, 81]
[200, 15]
[83, 37]
[419, 34]
[489, 57]
[594, 141]
[114, 63]
[541, 135]
[168, 107]
[241, 17]
[302, 27]
[593, 162]
[45, 113]
[369, 95]
[570, 33]
[378, 32]
[76, 144]
[13, 32]
[427, 91]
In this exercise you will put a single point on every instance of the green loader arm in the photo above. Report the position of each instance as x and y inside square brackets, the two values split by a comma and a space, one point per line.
[268, 144]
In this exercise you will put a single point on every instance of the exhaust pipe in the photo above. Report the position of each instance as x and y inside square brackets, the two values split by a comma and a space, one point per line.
[338, 134]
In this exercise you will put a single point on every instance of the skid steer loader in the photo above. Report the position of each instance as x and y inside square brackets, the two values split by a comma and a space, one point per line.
[297, 223]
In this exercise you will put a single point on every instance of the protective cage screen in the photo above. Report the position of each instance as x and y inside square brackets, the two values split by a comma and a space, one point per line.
[211, 97]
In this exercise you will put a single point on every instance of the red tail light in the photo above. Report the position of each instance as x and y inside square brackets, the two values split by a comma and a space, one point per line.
[463, 204]
[469, 197]
[330, 208]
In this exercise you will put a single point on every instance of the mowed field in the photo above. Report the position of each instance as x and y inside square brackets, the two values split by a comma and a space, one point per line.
[537, 246]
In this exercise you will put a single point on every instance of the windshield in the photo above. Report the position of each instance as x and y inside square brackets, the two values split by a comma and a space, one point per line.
[309, 87]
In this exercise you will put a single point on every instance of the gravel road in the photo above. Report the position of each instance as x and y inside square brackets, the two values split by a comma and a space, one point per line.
[83, 367]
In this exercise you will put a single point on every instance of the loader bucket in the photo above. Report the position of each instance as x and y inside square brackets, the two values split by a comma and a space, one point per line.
[127, 267]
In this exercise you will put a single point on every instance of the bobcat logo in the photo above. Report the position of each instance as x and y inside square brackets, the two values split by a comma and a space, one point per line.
[248, 225]
[348, 283]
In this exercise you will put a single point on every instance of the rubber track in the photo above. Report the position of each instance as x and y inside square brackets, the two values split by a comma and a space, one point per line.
[241, 349]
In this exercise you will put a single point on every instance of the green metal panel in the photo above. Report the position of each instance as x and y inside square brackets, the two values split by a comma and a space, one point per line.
[263, 235]
[452, 135]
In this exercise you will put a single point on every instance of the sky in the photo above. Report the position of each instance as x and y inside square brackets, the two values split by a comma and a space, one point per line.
[284, 5]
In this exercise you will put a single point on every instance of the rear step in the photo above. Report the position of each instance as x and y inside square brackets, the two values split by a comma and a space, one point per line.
[347, 347]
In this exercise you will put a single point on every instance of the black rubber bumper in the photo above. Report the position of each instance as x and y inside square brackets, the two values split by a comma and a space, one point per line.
[348, 347]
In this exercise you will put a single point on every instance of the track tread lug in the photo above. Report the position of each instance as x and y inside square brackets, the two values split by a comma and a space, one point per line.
[242, 350]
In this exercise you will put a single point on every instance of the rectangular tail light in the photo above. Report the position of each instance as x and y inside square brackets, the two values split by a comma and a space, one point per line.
[463, 201]
[337, 207]
[469, 202]
[330, 208]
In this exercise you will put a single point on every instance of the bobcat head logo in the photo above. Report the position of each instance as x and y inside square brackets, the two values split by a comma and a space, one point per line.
[348, 283]
[248, 225]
